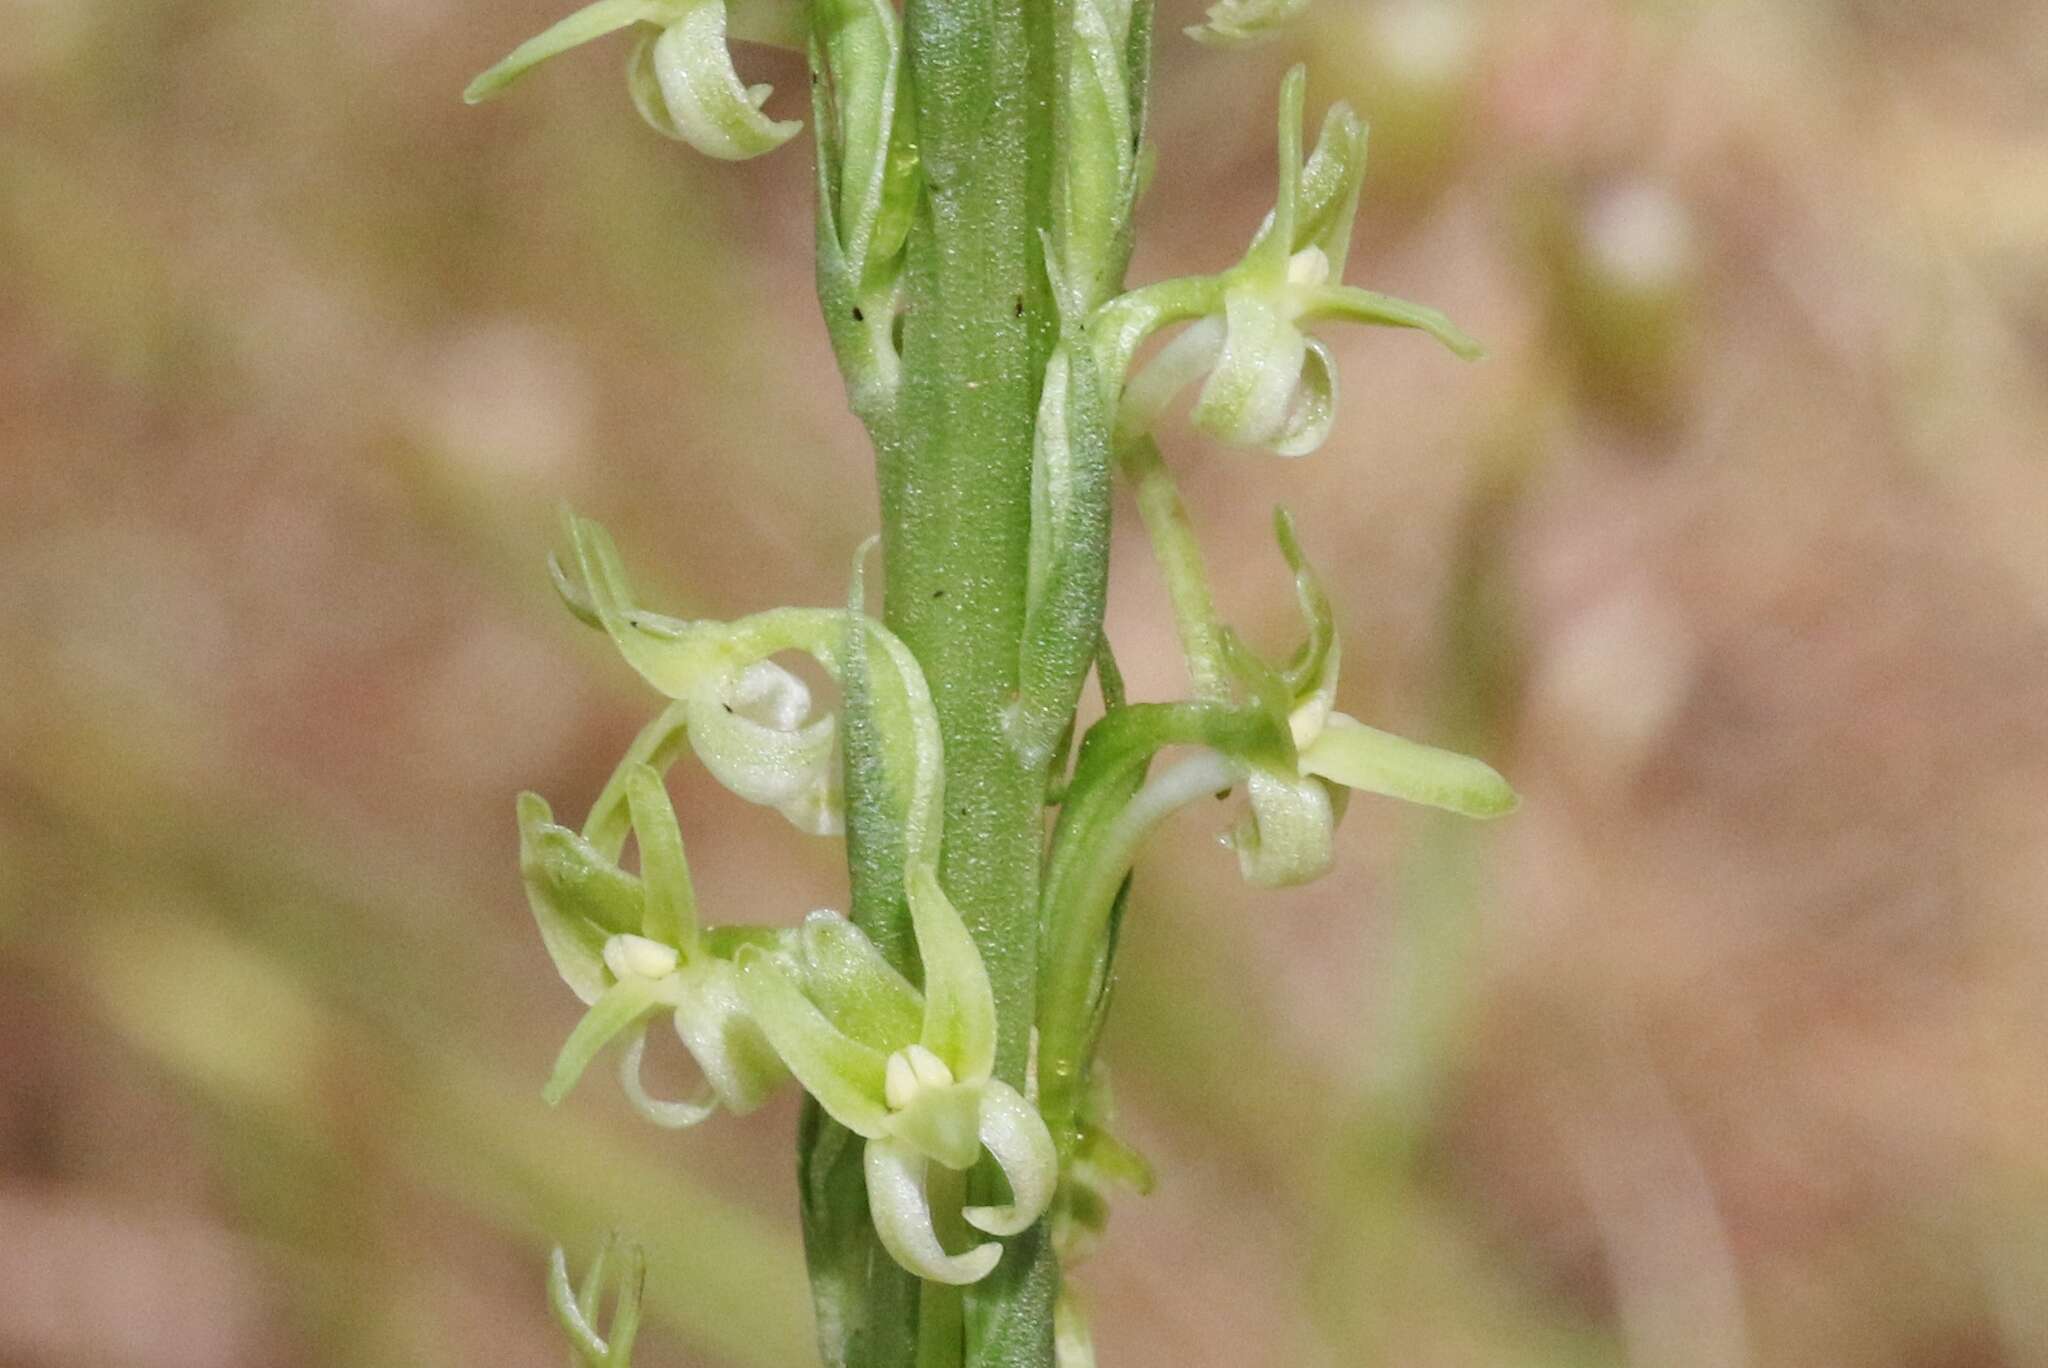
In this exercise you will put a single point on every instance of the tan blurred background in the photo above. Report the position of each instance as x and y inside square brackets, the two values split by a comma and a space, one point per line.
[1728, 1050]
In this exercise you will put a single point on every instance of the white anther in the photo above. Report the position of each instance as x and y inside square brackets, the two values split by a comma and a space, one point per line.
[899, 1082]
[909, 1072]
[638, 957]
[931, 1070]
[1308, 268]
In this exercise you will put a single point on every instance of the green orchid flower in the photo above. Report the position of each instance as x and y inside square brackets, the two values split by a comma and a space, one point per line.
[680, 73]
[631, 948]
[1286, 834]
[918, 1086]
[1265, 382]
[749, 720]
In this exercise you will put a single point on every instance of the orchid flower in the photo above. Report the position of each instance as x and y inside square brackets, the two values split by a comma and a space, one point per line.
[748, 719]
[680, 74]
[1285, 836]
[575, 1308]
[1265, 382]
[918, 1086]
[631, 948]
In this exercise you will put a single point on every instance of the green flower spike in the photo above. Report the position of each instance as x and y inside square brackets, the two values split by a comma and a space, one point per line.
[680, 75]
[575, 1309]
[1265, 382]
[748, 719]
[1241, 23]
[1285, 836]
[918, 1089]
[631, 949]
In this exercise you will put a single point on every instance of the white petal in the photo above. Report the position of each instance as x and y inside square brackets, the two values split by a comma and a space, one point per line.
[903, 1219]
[669, 1115]
[1015, 1136]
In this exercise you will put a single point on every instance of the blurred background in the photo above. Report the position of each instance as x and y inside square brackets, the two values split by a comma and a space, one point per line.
[1727, 1050]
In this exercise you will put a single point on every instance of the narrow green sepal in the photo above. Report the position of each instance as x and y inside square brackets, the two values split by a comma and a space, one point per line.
[617, 1010]
[1372, 761]
[579, 900]
[959, 1005]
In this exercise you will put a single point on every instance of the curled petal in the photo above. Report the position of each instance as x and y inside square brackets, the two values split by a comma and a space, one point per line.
[617, 1010]
[1241, 23]
[902, 1214]
[959, 1004]
[1287, 836]
[1016, 1137]
[594, 21]
[795, 771]
[668, 1115]
[722, 1036]
[1314, 410]
[683, 82]
[1181, 362]
[1372, 761]
[845, 1076]
[1250, 393]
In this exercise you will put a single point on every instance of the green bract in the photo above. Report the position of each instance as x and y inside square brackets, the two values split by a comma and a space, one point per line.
[680, 74]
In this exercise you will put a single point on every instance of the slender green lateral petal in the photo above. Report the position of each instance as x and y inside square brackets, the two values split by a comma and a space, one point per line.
[845, 1076]
[1248, 395]
[574, 941]
[1286, 838]
[1275, 249]
[716, 1026]
[573, 1317]
[668, 1115]
[903, 1218]
[959, 1005]
[670, 901]
[1068, 582]
[851, 982]
[591, 22]
[1372, 761]
[1016, 1137]
[683, 82]
[657, 746]
[1242, 23]
[1312, 673]
[1349, 304]
[617, 1010]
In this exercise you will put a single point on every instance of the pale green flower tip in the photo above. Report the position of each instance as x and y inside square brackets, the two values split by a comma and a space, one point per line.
[1016, 1137]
